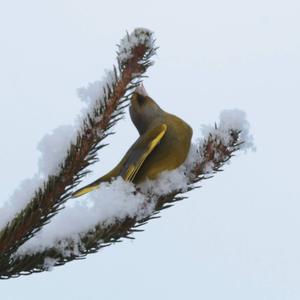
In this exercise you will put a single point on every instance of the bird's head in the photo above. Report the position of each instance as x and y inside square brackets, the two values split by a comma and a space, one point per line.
[143, 110]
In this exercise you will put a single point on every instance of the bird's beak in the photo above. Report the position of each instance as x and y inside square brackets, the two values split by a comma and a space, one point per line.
[141, 90]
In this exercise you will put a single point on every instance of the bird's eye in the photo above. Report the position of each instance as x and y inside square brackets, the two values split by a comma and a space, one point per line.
[141, 99]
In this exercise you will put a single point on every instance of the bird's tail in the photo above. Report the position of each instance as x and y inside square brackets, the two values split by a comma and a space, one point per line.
[86, 189]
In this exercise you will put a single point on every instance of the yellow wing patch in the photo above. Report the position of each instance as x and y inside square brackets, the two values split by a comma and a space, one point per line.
[134, 158]
[152, 139]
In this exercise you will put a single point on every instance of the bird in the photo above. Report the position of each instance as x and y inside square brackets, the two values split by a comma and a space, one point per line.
[163, 144]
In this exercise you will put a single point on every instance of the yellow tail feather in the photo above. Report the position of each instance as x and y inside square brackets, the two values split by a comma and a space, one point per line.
[85, 190]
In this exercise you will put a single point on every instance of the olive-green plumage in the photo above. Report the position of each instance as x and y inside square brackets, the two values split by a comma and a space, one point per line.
[163, 144]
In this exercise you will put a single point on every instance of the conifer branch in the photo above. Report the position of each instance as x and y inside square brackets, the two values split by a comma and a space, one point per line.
[212, 154]
[133, 61]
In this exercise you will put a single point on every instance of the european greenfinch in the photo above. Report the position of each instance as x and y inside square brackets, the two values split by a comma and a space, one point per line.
[163, 144]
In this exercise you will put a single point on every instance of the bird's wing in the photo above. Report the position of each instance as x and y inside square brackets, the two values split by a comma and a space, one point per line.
[141, 150]
[132, 161]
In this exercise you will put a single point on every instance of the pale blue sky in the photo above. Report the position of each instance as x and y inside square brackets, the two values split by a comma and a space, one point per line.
[238, 236]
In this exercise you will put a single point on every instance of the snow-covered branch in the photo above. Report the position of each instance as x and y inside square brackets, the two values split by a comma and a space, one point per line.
[117, 209]
[68, 166]
[30, 243]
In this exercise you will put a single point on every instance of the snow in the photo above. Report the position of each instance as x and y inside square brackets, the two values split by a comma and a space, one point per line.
[230, 120]
[49, 263]
[167, 182]
[111, 202]
[53, 148]
[236, 119]
[233, 119]
[91, 93]
[137, 37]
[19, 199]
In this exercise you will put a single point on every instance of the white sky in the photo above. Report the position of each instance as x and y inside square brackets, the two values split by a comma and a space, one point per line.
[238, 236]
